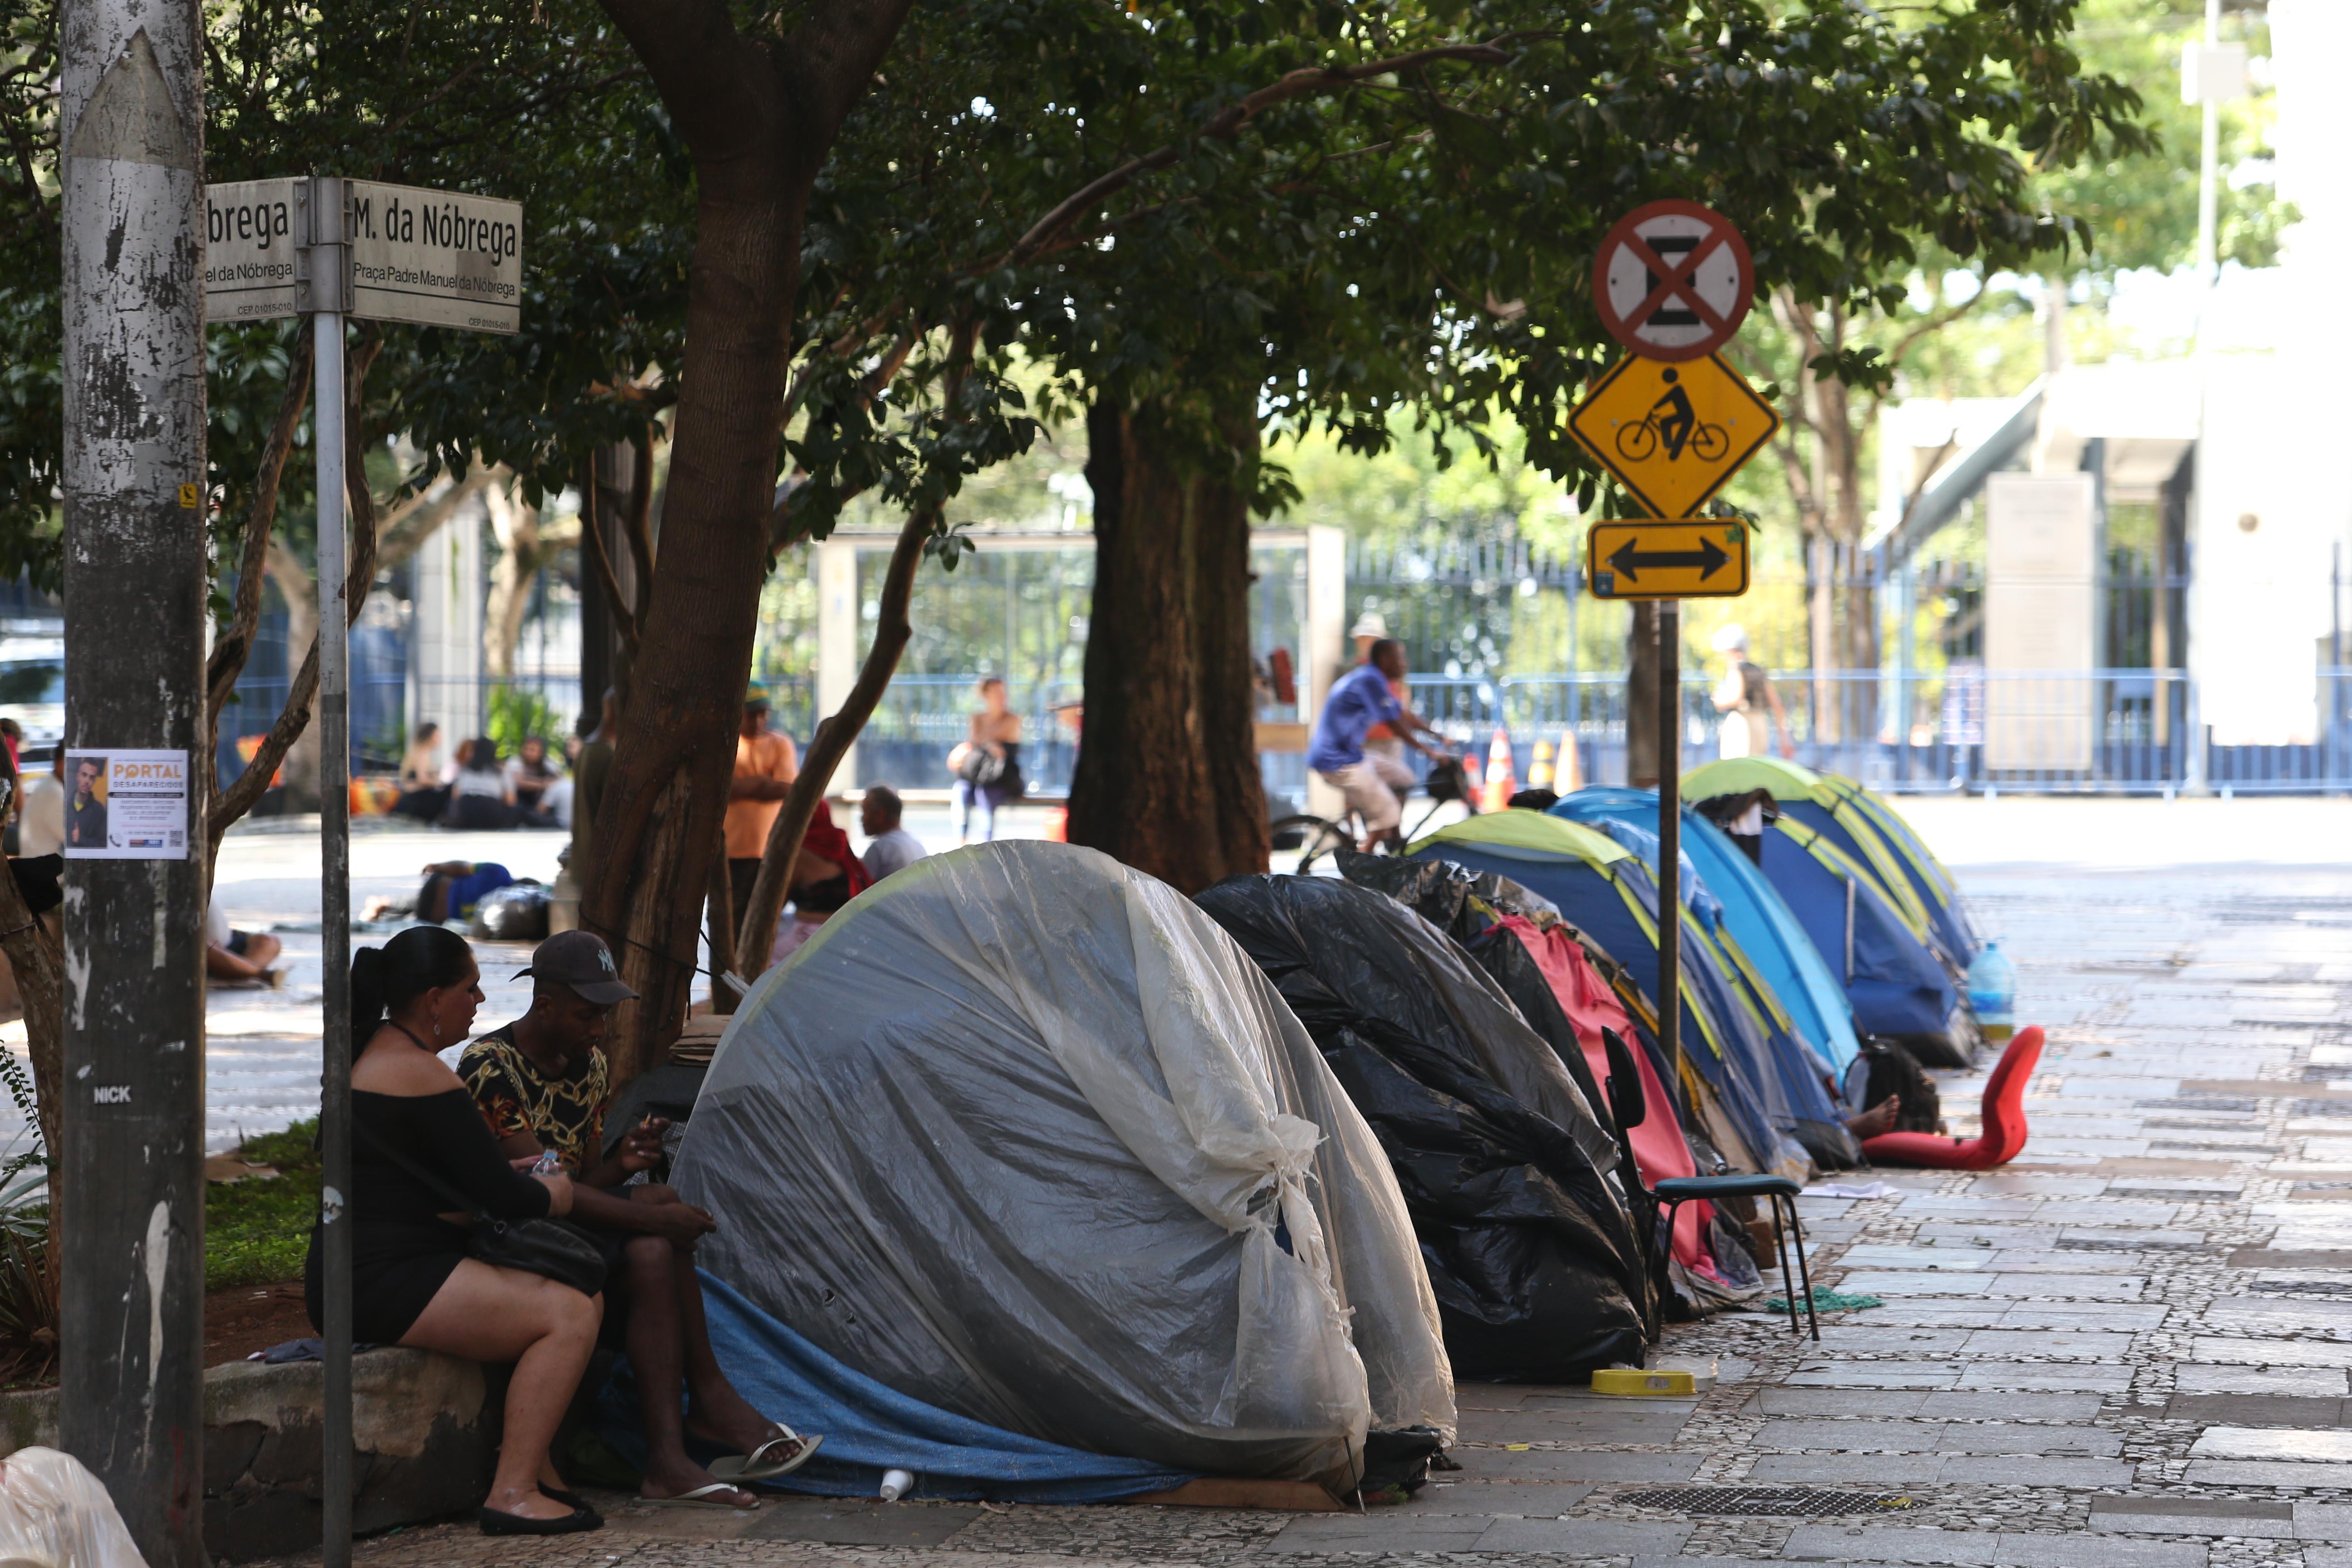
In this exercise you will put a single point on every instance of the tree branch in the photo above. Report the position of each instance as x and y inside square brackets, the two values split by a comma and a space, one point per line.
[236, 645]
[639, 519]
[623, 621]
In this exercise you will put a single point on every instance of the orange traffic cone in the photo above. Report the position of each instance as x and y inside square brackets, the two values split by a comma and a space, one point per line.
[1502, 782]
[1539, 770]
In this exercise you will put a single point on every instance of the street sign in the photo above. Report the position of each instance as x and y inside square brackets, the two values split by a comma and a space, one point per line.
[1673, 280]
[433, 258]
[436, 258]
[1650, 558]
[1672, 434]
[249, 240]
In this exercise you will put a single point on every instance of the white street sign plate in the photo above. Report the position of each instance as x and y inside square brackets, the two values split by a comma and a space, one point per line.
[436, 258]
[249, 238]
[433, 258]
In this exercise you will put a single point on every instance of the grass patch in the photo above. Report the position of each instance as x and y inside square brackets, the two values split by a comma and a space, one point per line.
[257, 1232]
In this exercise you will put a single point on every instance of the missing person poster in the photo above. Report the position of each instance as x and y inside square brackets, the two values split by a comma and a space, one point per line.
[126, 805]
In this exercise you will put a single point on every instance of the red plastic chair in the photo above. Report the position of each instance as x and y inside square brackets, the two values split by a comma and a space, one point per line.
[2003, 1117]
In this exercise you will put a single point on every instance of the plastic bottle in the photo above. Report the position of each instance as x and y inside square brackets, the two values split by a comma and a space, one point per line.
[896, 1484]
[1992, 992]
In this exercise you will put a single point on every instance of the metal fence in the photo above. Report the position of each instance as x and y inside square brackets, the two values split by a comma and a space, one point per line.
[2099, 732]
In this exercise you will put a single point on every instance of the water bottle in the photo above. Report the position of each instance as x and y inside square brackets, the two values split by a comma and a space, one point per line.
[1992, 992]
[896, 1484]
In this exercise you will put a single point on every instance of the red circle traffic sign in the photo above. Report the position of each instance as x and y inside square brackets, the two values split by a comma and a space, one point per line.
[1673, 280]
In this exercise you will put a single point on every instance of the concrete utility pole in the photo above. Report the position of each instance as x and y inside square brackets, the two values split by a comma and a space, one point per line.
[130, 1177]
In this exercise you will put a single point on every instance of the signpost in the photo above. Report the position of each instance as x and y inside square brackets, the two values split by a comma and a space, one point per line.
[328, 248]
[1671, 423]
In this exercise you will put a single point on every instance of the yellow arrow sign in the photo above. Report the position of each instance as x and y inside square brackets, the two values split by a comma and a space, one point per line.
[1647, 558]
[1672, 434]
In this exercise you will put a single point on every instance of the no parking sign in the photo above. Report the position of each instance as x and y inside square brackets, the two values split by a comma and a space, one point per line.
[1673, 280]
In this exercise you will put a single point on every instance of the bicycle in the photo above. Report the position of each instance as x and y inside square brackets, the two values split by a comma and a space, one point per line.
[1315, 837]
[1708, 442]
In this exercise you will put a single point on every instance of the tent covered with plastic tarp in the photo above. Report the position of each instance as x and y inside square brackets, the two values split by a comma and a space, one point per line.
[1021, 1133]
[1529, 1246]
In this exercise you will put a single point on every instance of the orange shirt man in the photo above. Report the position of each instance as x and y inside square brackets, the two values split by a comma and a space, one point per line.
[765, 766]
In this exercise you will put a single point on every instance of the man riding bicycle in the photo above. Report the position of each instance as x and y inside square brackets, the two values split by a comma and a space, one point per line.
[1371, 782]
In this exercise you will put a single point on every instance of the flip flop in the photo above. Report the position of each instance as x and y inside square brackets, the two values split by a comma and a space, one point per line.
[702, 1497]
[751, 1466]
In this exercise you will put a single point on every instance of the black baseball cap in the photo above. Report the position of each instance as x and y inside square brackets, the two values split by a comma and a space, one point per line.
[580, 961]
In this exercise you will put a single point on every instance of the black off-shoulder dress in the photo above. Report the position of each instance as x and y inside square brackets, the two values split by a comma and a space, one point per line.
[403, 1252]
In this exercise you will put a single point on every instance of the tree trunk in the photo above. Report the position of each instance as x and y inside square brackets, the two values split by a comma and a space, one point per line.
[659, 821]
[1168, 777]
[1642, 696]
[520, 555]
[299, 589]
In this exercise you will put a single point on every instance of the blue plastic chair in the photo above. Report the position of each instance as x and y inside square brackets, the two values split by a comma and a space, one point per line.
[1676, 1191]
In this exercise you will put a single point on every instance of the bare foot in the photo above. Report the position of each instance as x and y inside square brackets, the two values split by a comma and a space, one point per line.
[1878, 1119]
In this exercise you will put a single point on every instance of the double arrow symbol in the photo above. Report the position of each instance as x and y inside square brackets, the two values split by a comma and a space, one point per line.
[1631, 561]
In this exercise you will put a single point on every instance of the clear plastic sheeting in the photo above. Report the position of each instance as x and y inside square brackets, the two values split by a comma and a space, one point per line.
[55, 1514]
[1022, 1134]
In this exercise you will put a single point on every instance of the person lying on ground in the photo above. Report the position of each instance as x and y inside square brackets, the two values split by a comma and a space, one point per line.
[881, 813]
[233, 955]
[541, 1084]
[419, 1142]
[453, 889]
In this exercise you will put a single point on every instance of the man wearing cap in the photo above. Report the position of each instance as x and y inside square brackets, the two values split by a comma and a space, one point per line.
[541, 1083]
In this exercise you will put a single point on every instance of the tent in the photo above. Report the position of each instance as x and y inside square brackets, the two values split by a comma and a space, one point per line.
[1721, 888]
[1544, 966]
[1021, 1134]
[1866, 828]
[1758, 918]
[1538, 1275]
[1609, 894]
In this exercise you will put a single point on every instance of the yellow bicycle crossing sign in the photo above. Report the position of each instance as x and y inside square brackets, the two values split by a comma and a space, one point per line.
[1671, 434]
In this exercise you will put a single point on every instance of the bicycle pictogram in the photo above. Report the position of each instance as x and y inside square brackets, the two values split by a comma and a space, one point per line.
[1671, 421]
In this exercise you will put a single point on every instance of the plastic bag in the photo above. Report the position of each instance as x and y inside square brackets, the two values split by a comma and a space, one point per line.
[1530, 1248]
[516, 912]
[55, 1514]
[1020, 1132]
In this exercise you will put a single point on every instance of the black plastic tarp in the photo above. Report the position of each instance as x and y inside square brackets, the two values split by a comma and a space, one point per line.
[1499, 1154]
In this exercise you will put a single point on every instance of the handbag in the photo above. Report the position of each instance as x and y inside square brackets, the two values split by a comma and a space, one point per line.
[982, 767]
[548, 1247]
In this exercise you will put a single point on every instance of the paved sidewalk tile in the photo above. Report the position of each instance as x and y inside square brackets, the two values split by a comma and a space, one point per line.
[1582, 1537]
[2193, 1516]
[1974, 1549]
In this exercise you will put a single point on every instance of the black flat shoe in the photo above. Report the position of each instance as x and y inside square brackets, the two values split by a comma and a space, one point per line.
[497, 1522]
[571, 1500]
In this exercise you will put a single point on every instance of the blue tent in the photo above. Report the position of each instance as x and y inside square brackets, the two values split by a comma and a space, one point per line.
[1758, 919]
[1845, 813]
[1609, 895]
[1898, 986]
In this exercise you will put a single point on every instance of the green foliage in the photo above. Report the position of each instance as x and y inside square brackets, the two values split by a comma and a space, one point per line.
[257, 1231]
[515, 715]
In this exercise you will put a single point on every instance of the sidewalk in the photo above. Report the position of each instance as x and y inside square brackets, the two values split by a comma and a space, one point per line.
[2128, 1350]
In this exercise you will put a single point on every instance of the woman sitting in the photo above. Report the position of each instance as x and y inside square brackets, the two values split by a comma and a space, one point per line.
[481, 798]
[531, 776]
[422, 795]
[827, 874]
[417, 1133]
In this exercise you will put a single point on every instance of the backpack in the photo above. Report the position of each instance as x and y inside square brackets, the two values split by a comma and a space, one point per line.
[1919, 1106]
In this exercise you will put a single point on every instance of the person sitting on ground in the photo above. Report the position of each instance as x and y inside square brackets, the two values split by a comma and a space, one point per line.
[893, 847]
[481, 798]
[541, 1083]
[827, 874]
[529, 776]
[422, 795]
[453, 889]
[42, 829]
[233, 956]
[417, 1133]
[1371, 781]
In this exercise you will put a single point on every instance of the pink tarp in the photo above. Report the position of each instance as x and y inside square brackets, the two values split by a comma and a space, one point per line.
[1659, 1151]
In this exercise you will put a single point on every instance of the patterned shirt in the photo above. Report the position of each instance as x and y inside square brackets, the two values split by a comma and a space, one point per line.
[565, 1114]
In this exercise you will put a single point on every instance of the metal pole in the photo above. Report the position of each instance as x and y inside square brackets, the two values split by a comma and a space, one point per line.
[1670, 833]
[328, 300]
[129, 1175]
